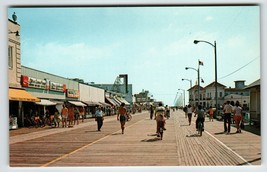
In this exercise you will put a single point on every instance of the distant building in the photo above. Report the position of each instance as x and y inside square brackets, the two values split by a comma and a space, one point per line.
[207, 94]
[238, 94]
[143, 97]
[118, 90]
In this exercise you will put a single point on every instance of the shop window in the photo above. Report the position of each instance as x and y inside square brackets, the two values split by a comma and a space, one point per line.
[10, 57]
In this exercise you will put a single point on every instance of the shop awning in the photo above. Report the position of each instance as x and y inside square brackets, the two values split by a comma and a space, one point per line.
[45, 102]
[21, 95]
[122, 100]
[111, 101]
[76, 103]
[104, 104]
[91, 103]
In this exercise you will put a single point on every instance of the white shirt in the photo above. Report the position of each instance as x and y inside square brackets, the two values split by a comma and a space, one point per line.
[189, 110]
[238, 111]
[228, 108]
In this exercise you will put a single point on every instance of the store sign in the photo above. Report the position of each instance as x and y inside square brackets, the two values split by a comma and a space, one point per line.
[57, 87]
[72, 93]
[36, 83]
[27, 81]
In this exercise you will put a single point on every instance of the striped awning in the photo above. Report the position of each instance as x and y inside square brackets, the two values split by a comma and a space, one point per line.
[104, 104]
[91, 103]
[77, 103]
[122, 100]
[111, 101]
[45, 102]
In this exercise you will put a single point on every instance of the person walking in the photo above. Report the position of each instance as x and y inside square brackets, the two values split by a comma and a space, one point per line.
[76, 116]
[227, 117]
[99, 118]
[82, 113]
[71, 115]
[64, 114]
[122, 116]
[185, 109]
[56, 118]
[210, 111]
[189, 113]
[238, 116]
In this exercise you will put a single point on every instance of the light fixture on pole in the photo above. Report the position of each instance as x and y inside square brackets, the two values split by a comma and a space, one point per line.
[198, 78]
[189, 81]
[215, 56]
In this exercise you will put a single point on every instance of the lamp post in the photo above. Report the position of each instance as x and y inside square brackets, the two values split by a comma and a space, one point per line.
[198, 78]
[184, 95]
[215, 56]
[189, 81]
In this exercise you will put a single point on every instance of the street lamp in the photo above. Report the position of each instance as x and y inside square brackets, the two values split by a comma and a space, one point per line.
[189, 81]
[215, 55]
[198, 78]
[184, 95]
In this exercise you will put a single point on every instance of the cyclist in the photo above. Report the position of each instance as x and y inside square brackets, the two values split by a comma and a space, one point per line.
[159, 117]
[200, 116]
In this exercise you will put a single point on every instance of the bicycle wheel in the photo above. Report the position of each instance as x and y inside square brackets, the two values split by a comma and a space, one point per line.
[129, 117]
[200, 128]
[161, 133]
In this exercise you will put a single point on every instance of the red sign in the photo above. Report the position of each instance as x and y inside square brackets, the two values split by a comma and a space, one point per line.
[25, 81]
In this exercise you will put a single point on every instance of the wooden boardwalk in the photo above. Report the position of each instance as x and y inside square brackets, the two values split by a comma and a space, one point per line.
[85, 147]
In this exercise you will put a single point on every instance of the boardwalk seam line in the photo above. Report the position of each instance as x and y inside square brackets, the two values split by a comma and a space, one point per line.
[239, 156]
[83, 147]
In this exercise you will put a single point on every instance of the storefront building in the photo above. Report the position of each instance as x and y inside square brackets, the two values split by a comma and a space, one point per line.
[52, 90]
[18, 97]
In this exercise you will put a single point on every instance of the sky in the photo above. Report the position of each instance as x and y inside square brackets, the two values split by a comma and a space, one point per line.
[153, 45]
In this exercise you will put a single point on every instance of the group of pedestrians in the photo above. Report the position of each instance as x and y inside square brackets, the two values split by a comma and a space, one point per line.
[122, 116]
[229, 108]
[70, 116]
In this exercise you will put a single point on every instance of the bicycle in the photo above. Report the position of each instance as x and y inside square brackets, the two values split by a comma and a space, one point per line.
[161, 128]
[200, 128]
[129, 117]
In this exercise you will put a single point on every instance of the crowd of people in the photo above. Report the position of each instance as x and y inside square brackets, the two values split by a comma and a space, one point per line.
[70, 115]
[231, 111]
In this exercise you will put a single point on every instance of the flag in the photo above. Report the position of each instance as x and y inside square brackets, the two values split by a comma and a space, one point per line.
[200, 63]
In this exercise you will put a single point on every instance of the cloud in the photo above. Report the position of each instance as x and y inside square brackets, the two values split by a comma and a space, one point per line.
[209, 18]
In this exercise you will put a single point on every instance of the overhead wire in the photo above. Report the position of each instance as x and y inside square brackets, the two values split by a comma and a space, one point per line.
[239, 68]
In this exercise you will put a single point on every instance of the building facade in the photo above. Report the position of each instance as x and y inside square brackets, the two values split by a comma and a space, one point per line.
[18, 97]
[208, 98]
